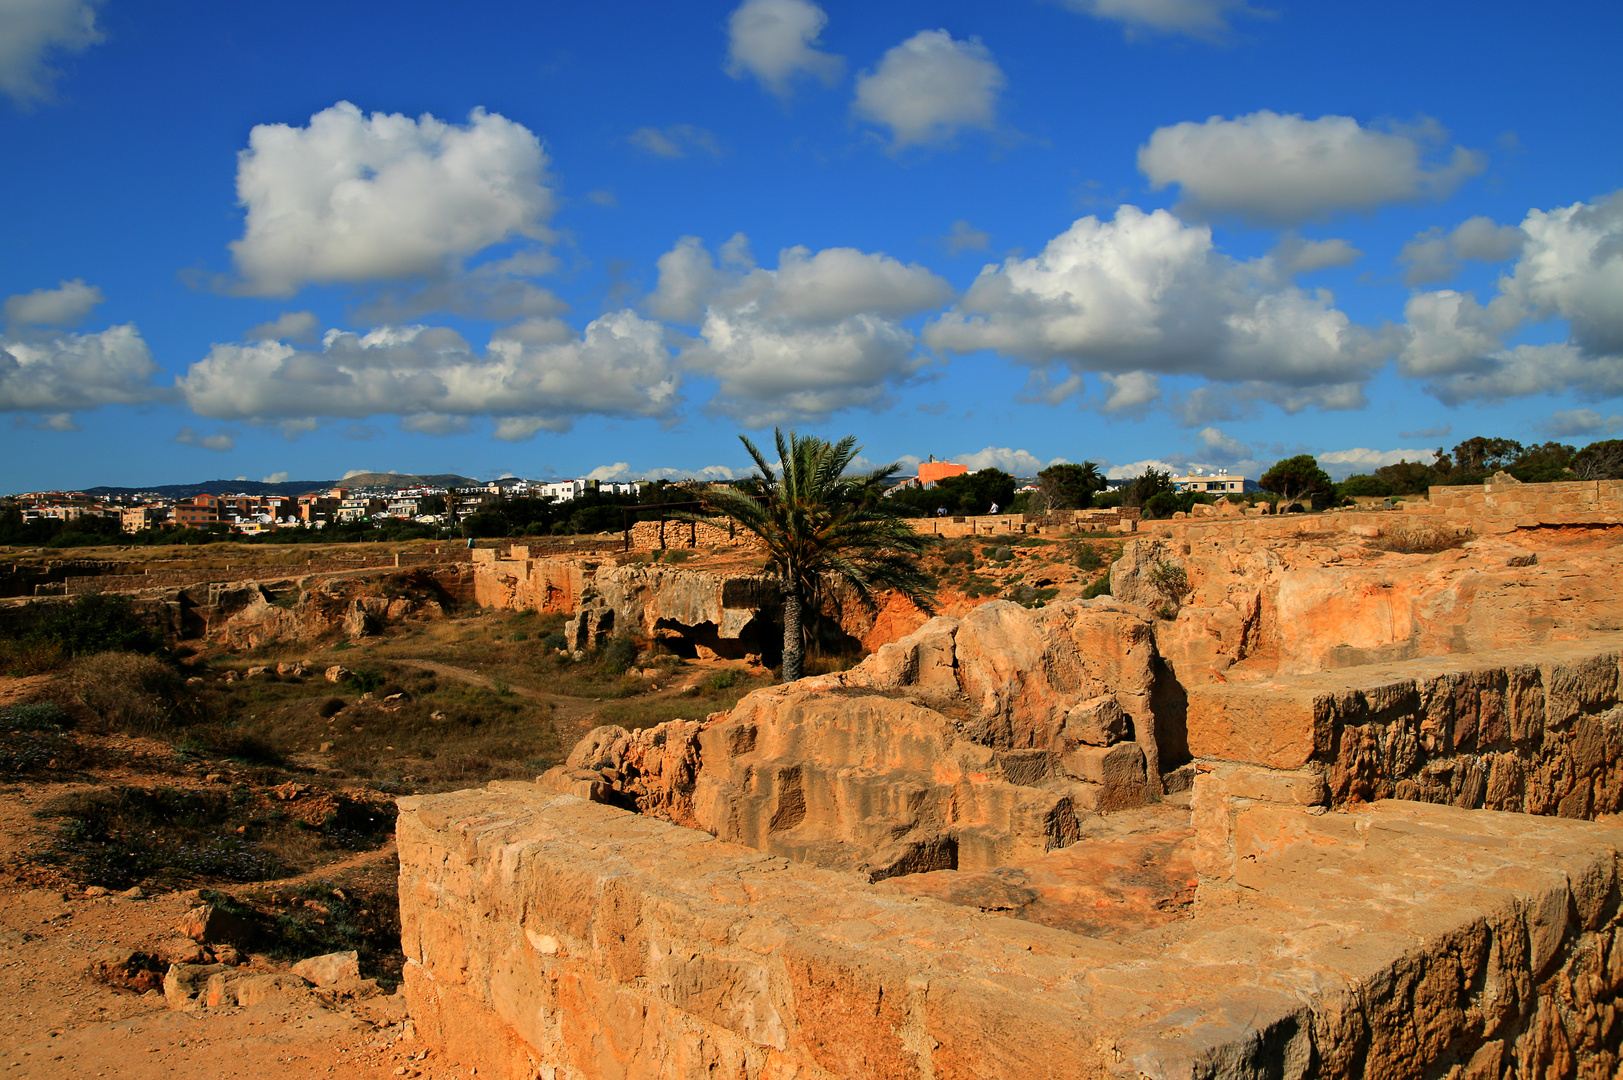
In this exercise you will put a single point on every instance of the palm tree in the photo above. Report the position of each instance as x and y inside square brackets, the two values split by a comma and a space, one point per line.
[815, 522]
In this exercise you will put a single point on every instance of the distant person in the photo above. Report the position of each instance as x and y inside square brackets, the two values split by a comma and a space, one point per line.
[993, 510]
[941, 511]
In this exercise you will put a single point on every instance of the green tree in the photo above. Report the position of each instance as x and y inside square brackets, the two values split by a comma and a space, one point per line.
[1296, 478]
[813, 521]
[1146, 486]
[1068, 487]
[1363, 485]
[1599, 460]
[1479, 455]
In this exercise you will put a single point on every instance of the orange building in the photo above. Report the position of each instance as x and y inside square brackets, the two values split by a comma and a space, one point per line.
[931, 471]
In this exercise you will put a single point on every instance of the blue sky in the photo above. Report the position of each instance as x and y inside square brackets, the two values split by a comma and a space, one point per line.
[298, 240]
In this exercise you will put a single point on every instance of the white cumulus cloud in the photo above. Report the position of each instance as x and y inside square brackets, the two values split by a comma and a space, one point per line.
[930, 86]
[1341, 464]
[1130, 392]
[1568, 423]
[32, 33]
[288, 326]
[69, 304]
[220, 441]
[353, 198]
[275, 478]
[1206, 19]
[532, 376]
[1570, 267]
[776, 40]
[1010, 460]
[818, 334]
[54, 372]
[1294, 255]
[1435, 255]
[1146, 295]
[1274, 169]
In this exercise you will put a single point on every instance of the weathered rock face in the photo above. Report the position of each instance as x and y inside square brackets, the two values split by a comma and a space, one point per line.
[1258, 606]
[968, 744]
[545, 935]
[542, 584]
[692, 611]
[252, 617]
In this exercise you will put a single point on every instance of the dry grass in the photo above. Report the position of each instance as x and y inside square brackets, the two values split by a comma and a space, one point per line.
[129, 693]
[1421, 540]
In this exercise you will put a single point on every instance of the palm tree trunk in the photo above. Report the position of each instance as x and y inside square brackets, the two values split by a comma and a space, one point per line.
[794, 638]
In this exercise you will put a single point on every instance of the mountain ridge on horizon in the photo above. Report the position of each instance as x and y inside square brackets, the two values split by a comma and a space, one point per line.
[286, 487]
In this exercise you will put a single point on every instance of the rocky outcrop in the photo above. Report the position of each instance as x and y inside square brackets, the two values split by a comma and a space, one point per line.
[969, 744]
[251, 615]
[696, 612]
[1254, 607]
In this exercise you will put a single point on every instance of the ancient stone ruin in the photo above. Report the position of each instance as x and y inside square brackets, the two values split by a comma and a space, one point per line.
[1320, 795]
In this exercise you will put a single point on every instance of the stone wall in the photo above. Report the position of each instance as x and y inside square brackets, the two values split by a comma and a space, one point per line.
[156, 578]
[1539, 734]
[547, 936]
[1499, 498]
[681, 535]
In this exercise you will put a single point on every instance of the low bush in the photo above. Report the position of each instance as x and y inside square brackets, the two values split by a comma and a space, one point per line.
[130, 693]
[619, 655]
[41, 716]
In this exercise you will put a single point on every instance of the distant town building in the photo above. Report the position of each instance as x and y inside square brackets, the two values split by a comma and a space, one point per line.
[1218, 483]
[931, 471]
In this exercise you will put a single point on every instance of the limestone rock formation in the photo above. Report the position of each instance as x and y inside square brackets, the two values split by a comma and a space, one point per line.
[1260, 606]
[970, 743]
[251, 616]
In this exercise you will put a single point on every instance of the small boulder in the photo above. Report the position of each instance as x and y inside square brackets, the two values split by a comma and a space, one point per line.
[279, 987]
[183, 983]
[256, 672]
[338, 673]
[207, 924]
[181, 950]
[330, 969]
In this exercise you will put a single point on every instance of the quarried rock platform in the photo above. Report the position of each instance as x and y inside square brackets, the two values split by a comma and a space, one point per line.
[550, 936]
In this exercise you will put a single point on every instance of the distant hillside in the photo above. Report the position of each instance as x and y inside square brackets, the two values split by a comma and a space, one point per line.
[218, 487]
[287, 487]
[400, 480]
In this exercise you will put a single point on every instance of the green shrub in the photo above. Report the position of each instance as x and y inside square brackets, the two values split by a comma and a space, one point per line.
[43, 716]
[1087, 557]
[367, 680]
[619, 655]
[98, 623]
[1100, 587]
[554, 641]
[1170, 579]
[721, 680]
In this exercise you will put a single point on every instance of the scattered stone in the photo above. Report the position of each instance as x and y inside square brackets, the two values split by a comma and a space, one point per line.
[94, 891]
[133, 893]
[255, 672]
[330, 969]
[338, 673]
